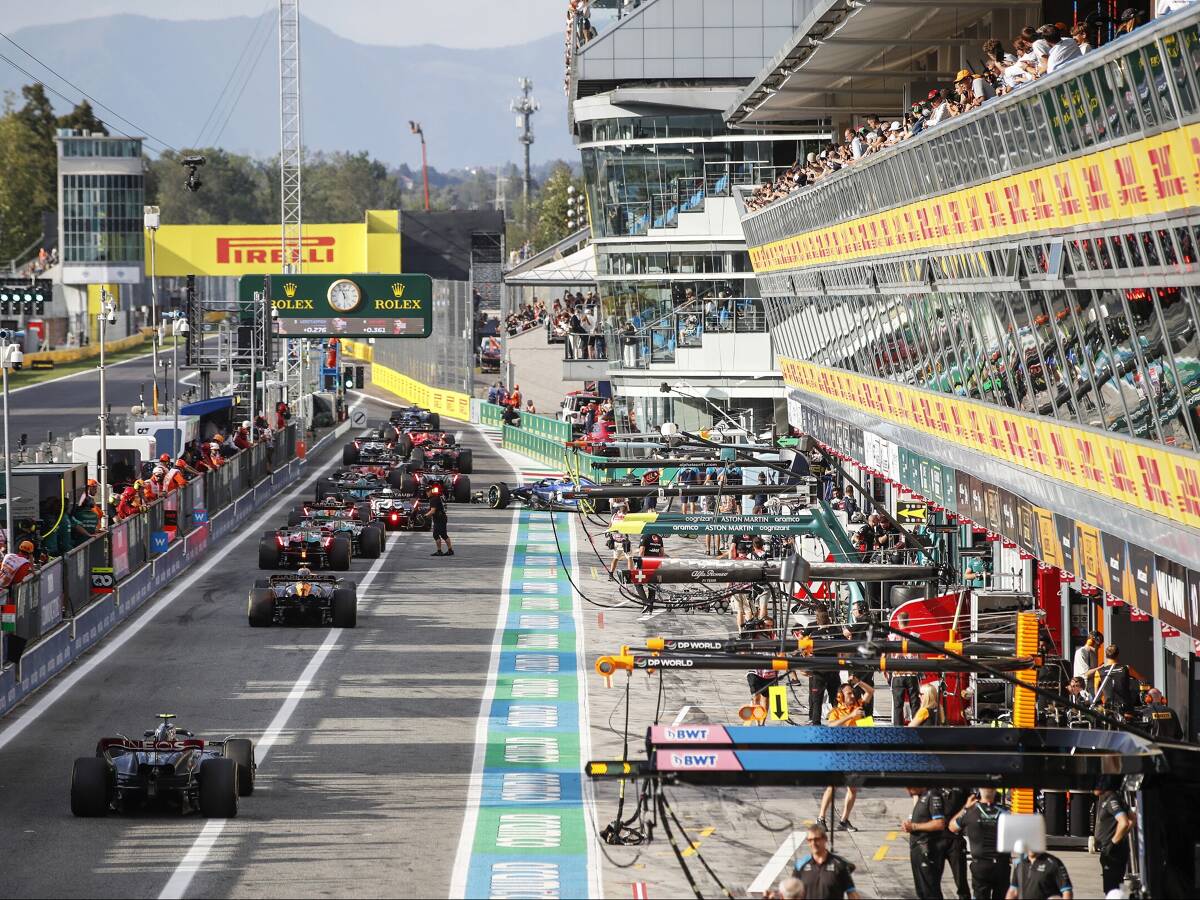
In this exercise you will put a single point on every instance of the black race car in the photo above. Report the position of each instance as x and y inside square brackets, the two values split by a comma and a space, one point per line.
[399, 513]
[371, 448]
[414, 417]
[169, 766]
[545, 494]
[305, 545]
[303, 598]
[344, 518]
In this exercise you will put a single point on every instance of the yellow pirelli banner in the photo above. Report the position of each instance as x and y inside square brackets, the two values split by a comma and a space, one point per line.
[1156, 479]
[369, 246]
[1140, 179]
[447, 403]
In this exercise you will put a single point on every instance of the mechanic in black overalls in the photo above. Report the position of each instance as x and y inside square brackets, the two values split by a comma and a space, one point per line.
[925, 847]
[1118, 685]
[651, 545]
[1113, 822]
[979, 822]
[437, 513]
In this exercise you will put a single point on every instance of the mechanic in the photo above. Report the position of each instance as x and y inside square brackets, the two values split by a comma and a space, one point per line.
[241, 439]
[87, 511]
[760, 500]
[821, 685]
[1085, 661]
[1039, 876]
[849, 711]
[825, 875]
[924, 849]
[158, 481]
[906, 686]
[858, 630]
[130, 503]
[1118, 684]
[650, 545]
[16, 567]
[437, 511]
[1113, 823]
[617, 542]
[979, 822]
[954, 847]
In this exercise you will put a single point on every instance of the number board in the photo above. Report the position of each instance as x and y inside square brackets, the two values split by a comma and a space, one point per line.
[397, 306]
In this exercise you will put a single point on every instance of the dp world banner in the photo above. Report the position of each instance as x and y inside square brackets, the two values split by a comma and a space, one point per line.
[398, 306]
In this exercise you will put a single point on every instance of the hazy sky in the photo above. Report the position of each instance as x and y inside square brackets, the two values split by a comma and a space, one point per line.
[452, 23]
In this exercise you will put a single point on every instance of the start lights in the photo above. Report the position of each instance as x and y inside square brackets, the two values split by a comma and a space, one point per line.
[21, 298]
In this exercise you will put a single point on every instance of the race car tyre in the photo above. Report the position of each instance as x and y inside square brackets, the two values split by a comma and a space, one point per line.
[396, 478]
[345, 608]
[260, 609]
[370, 542]
[295, 516]
[404, 445]
[339, 554]
[219, 788]
[349, 455]
[262, 582]
[89, 787]
[466, 463]
[499, 496]
[435, 422]
[268, 553]
[324, 488]
[462, 489]
[241, 751]
[362, 512]
[408, 483]
[416, 459]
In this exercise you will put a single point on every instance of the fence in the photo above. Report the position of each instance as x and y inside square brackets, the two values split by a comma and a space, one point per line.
[71, 586]
[446, 359]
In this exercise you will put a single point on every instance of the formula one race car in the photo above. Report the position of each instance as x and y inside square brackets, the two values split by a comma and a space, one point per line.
[370, 451]
[303, 598]
[446, 454]
[345, 519]
[409, 439]
[545, 494]
[170, 766]
[305, 545]
[453, 485]
[398, 513]
[414, 417]
[358, 483]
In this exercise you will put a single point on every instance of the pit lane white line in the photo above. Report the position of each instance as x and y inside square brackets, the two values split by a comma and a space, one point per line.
[182, 877]
[88, 371]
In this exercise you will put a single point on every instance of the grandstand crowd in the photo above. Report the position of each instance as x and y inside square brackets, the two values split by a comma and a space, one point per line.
[1034, 52]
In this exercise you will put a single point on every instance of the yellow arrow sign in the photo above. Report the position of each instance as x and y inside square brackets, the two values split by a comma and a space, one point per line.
[778, 702]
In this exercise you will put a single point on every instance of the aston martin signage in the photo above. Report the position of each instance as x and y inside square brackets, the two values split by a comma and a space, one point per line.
[346, 305]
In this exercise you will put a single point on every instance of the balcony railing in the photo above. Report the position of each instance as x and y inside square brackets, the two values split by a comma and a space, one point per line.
[1131, 88]
[684, 329]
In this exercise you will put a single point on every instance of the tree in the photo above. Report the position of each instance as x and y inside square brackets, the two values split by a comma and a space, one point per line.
[82, 118]
[552, 207]
[37, 115]
[22, 194]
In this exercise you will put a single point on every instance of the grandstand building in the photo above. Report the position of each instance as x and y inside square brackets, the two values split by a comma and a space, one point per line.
[647, 93]
[1000, 315]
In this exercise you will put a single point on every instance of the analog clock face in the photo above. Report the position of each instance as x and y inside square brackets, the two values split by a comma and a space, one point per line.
[344, 295]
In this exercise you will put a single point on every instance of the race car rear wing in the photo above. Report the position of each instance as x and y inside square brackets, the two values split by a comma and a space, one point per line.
[293, 578]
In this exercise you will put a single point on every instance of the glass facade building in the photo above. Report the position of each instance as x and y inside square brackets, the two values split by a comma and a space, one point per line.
[101, 196]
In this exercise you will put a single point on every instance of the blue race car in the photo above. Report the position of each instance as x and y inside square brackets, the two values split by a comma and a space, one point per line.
[545, 494]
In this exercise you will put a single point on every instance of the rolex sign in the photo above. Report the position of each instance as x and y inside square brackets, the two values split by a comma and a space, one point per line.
[345, 305]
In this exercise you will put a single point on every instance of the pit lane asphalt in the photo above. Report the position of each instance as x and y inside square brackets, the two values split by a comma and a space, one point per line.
[365, 790]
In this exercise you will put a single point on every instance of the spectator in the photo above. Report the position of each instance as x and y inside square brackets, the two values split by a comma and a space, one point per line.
[511, 416]
[1061, 51]
[530, 408]
[930, 710]
[1080, 34]
[1130, 19]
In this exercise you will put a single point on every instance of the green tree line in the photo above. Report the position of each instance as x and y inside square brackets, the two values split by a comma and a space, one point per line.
[238, 189]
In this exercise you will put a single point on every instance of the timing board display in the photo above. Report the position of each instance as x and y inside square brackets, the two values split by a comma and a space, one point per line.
[395, 306]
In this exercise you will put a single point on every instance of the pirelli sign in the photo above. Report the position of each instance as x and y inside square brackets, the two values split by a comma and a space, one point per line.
[352, 306]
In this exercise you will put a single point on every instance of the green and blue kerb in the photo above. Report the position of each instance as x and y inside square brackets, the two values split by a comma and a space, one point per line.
[531, 835]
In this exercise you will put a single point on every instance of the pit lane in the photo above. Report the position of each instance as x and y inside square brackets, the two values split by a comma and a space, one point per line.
[365, 786]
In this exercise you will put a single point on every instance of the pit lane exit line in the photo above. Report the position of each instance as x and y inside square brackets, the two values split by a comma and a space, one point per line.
[109, 647]
[182, 877]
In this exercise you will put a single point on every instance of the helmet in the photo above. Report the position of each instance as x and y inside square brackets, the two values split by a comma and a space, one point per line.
[159, 470]
[245, 423]
[25, 546]
[165, 458]
[304, 572]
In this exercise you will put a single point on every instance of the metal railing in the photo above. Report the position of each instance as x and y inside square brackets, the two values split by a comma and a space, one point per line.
[67, 584]
[1130, 88]
[685, 328]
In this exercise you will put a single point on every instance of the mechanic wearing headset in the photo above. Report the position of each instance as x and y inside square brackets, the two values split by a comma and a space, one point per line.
[437, 510]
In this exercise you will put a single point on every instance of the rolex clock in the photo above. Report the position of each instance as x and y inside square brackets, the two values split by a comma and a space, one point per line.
[344, 295]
